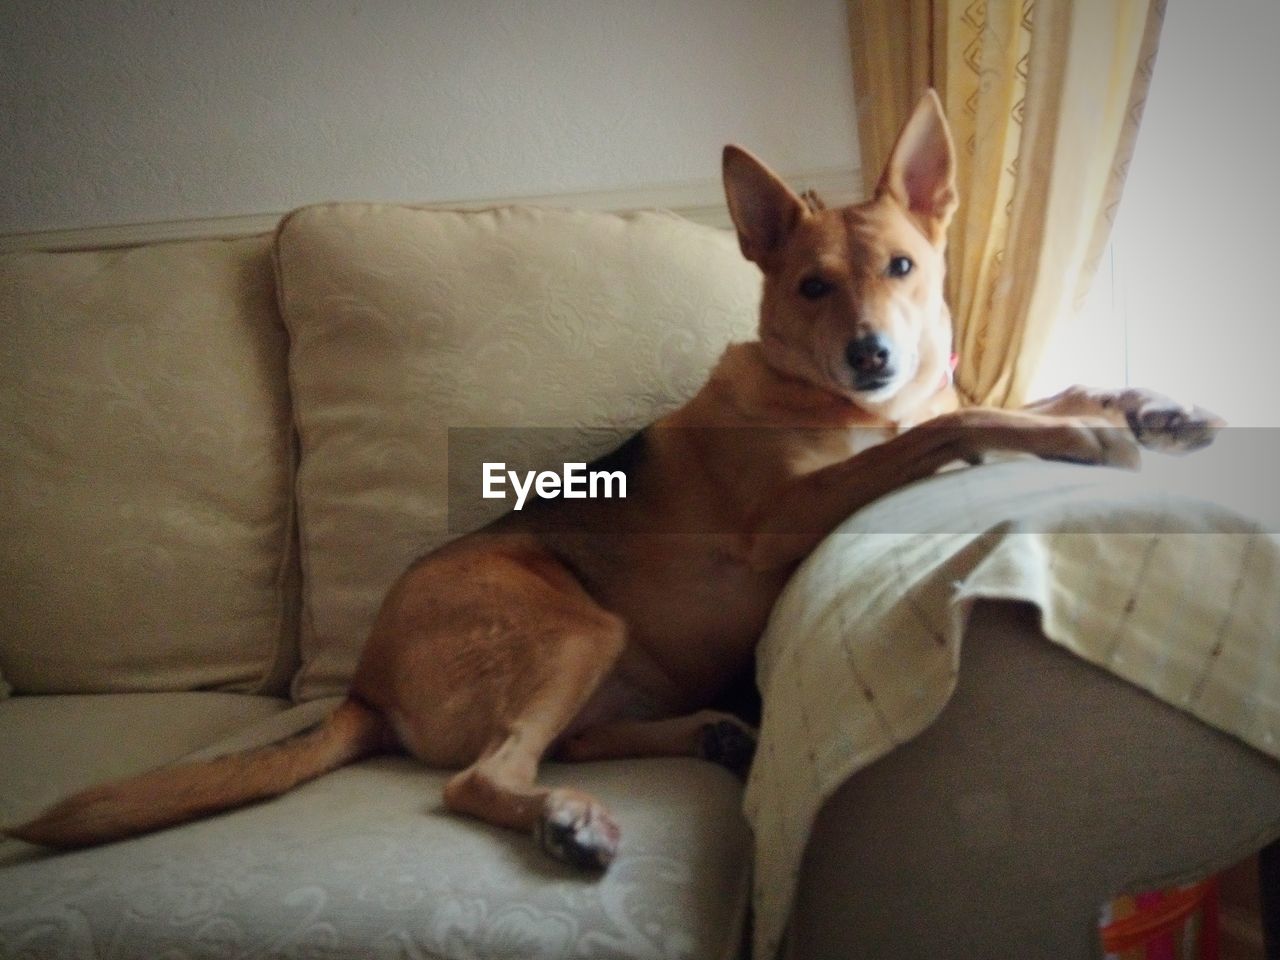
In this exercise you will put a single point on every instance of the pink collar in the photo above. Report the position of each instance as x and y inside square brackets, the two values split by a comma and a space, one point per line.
[949, 375]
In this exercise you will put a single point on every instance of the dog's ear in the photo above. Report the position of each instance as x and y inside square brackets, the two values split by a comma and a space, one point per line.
[921, 172]
[763, 208]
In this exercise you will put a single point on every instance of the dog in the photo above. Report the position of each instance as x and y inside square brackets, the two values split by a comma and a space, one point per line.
[590, 629]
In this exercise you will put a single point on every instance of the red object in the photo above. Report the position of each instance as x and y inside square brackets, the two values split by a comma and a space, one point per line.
[1160, 919]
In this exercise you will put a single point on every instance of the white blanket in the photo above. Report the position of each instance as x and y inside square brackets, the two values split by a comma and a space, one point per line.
[1169, 578]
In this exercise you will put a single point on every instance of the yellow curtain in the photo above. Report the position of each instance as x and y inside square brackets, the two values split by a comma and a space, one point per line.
[1044, 98]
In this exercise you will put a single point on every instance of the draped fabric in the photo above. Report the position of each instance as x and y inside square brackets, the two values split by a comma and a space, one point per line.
[1044, 98]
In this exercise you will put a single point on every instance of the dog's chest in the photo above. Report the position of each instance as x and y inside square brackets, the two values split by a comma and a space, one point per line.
[805, 451]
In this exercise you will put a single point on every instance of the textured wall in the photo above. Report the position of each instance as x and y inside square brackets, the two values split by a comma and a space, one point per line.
[119, 111]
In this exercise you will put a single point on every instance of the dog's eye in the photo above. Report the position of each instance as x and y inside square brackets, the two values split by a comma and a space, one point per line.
[814, 288]
[900, 266]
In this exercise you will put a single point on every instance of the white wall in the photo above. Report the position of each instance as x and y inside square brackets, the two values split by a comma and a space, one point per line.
[119, 111]
[1191, 306]
[1198, 242]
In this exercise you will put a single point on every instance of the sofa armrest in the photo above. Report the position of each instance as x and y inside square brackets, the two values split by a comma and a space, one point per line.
[1046, 787]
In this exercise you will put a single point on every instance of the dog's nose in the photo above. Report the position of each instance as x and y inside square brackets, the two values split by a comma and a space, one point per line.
[871, 359]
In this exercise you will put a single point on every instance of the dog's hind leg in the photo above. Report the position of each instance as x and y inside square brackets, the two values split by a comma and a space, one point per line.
[501, 786]
[481, 656]
[708, 734]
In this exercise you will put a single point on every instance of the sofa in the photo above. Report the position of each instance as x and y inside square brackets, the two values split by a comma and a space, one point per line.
[216, 456]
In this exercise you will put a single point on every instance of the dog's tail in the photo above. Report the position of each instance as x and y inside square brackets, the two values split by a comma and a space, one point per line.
[173, 795]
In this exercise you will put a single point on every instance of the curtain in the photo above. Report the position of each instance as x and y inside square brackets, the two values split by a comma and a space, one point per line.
[1044, 98]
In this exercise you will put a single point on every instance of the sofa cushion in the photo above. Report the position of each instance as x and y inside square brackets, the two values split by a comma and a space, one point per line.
[406, 322]
[360, 863]
[146, 447]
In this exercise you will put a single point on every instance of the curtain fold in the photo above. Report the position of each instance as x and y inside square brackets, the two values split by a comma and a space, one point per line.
[1044, 98]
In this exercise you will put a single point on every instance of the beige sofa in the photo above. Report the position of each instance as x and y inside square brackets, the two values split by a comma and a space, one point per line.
[217, 454]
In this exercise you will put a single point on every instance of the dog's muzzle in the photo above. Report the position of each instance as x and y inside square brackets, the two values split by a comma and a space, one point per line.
[871, 360]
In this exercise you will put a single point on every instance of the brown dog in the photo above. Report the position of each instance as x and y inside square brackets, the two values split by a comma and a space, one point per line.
[598, 629]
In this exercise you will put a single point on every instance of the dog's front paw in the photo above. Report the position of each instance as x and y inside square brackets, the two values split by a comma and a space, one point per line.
[729, 743]
[1160, 423]
[578, 830]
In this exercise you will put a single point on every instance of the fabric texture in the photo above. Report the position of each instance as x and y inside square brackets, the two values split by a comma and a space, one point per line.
[1044, 99]
[1046, 787]
[146, 449]
[1135, 573]
[362, 863]
[407, 322]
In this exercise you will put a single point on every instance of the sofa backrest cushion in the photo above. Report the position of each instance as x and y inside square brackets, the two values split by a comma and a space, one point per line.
[146, 454]
[405, 322]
